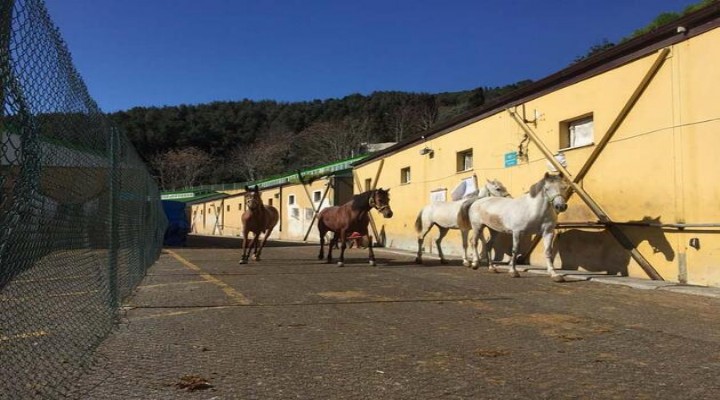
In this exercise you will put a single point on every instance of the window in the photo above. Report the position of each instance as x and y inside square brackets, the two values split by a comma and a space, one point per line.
[291, 199]
[295, 213]
[577, 133]
[240, 206]
[465, 160]
[270, 202]
[228, 208]
[317, 195]
[368, 182]
[405, 175]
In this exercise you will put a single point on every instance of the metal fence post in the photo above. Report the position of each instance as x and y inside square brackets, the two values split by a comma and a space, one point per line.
[113, 225]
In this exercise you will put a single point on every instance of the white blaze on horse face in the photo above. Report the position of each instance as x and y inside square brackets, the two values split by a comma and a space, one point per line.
[252, 201]
[554, 191]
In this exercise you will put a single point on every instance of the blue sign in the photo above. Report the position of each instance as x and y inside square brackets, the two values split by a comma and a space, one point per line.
[511, 159]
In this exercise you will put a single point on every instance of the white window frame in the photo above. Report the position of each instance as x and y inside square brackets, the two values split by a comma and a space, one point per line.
[405, 176]
[291, 199]
[462, 160]
[578, 132]
[317, 196]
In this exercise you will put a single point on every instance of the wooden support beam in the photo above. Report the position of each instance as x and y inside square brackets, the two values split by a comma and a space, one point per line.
[316, 210]
[372, 221]
[594, 207]
[600, 146]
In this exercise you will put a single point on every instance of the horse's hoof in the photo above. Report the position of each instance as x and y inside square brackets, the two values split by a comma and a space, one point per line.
[372, 263]
[418, 260]
[340, 264]
[474, 265]
[466, 263]
[242, 261]
[493, 269]
[443, 261]
[558, 278]
[255, 258]
[514, 274]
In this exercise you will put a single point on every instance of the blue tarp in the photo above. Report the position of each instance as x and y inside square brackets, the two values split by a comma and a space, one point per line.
[178, 226]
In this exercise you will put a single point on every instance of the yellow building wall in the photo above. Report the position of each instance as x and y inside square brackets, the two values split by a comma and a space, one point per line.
[234, 208]
[661, 166]
[297, 218]
[207, 218]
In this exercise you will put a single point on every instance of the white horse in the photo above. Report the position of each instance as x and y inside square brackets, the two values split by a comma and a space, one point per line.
[535, 211]
[444, 215]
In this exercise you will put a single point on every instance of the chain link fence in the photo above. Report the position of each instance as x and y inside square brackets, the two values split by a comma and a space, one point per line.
[80, 217]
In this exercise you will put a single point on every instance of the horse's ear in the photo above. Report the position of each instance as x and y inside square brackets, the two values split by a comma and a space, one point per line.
[257, 188]
[547, 175]
[247, 188]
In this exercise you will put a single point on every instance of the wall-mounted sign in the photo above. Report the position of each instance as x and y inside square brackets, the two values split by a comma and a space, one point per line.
[511, 159]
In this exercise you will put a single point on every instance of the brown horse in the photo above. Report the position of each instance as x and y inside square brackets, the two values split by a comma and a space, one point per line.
[258, 219]
[353, 216]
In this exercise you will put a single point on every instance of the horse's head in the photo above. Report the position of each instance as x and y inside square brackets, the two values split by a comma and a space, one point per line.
[496, 188]
[380, 199]
[554, 186]
[252, 198]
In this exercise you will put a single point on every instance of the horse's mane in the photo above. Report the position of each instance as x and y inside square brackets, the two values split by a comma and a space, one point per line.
[536, 188]
[361, 201]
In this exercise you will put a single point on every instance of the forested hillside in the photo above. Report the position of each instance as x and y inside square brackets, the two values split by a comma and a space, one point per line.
[249, 140]
[220, 142]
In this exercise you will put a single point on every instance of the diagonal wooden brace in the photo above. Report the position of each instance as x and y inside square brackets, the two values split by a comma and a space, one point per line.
[629, 104]
[594, 206]
[358, 184]
[315, 210]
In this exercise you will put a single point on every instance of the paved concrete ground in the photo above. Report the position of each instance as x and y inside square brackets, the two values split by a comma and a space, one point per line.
[291, 327]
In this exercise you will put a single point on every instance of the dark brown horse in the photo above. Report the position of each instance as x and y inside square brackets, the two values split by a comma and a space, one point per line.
[258, 219]
[353, 216]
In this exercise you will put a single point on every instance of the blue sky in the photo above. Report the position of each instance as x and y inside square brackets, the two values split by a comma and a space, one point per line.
[169, 52]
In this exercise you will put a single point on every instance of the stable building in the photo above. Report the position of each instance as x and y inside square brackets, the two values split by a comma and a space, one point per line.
[635, 129]
[298, 197]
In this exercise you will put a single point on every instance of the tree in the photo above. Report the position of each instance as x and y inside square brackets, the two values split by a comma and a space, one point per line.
[265, 157]
[178, 168]
[325, 142]
[595, 49]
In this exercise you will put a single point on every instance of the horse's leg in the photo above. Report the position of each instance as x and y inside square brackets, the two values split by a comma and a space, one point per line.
[421, 238]
[321, 255]
[443, 232]
[252, 249]
[331, 247]
[243, 258]
[262, 245]
[487, 249]
[371, 253]
[548, 235]
[477, 236]
[464, 235]
[343, 245]
[515, 243]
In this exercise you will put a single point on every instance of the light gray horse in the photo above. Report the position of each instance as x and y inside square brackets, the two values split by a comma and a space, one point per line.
[535, 211]
[444, 215]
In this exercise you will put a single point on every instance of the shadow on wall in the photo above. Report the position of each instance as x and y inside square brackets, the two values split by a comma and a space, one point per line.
[598, 251]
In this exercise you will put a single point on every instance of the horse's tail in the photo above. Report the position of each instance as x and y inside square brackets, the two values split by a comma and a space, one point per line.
[463, 217]
[418, 221]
